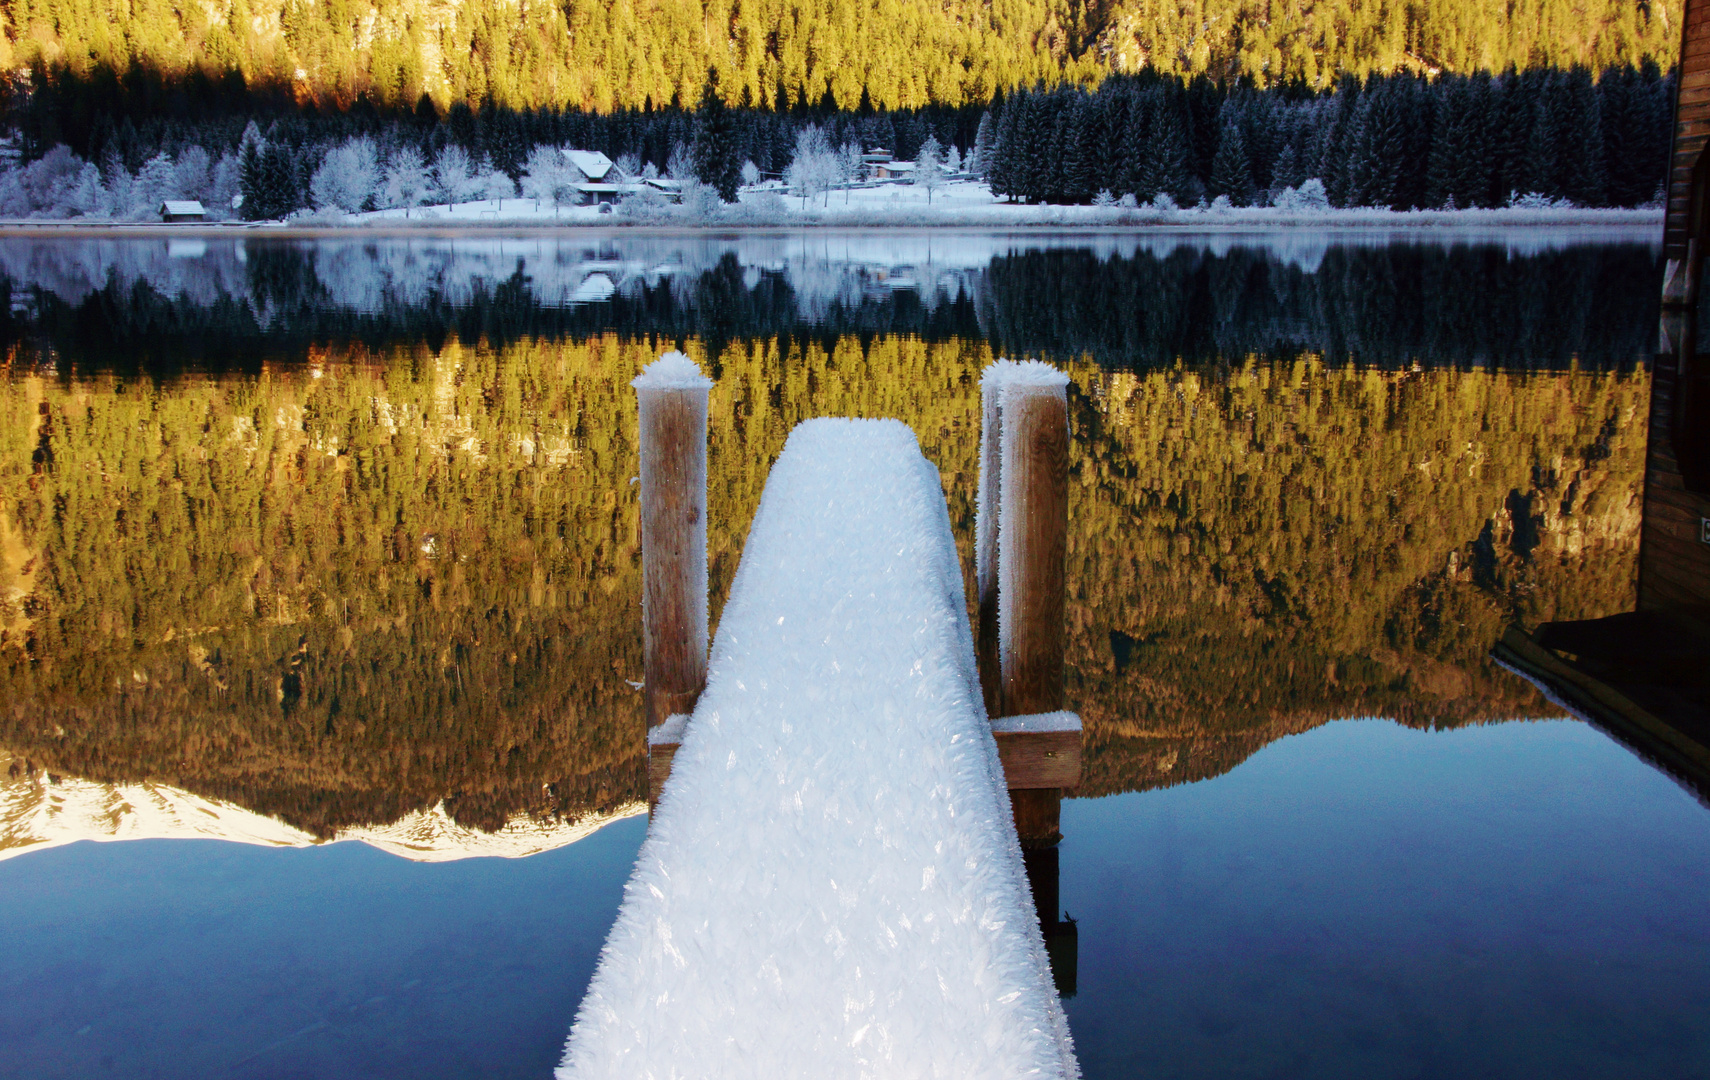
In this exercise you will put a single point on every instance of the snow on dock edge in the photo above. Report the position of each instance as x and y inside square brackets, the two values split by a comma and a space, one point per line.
[831, 885]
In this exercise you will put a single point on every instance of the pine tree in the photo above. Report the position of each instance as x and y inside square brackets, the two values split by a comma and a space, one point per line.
[1164, 162]
[1442, 170]
[1341, 142]
[1474, 168]
[1579, 140]
[1037, 163]
[716, 149]
[1075, 185]
[250, 182]
[1136, 142]
[1231, 168]
[999, 164]
[984, 141]
[1380, 155]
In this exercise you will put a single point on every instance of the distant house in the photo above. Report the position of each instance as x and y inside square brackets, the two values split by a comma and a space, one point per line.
[671, 189]
[606, 193]
[892, 170]
[593, 165]
[174, 210]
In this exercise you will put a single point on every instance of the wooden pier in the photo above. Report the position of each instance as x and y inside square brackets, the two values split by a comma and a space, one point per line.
[834, 882]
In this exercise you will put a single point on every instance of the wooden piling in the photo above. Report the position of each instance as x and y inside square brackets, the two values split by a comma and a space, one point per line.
[989, 499]
[672, 395]
[1033, 545]
[1020, 556]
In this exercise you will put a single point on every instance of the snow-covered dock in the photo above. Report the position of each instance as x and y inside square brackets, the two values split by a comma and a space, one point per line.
[832, 884]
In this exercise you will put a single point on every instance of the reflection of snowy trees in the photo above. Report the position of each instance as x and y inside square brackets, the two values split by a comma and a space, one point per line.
[1124, 298]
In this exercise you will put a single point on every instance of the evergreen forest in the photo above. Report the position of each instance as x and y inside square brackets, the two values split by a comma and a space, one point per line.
[609, 55]
[110, 149]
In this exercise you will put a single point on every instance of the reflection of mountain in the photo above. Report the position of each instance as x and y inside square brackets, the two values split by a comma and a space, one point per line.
[1526, 300]
[39, 810]
[347, 590]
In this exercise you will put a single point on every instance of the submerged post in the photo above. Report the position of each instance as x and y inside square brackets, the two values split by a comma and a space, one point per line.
[672, 395]
[1020, 552]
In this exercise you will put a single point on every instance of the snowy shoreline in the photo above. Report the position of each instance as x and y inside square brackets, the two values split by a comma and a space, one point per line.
[956, 205]
[1252, 221]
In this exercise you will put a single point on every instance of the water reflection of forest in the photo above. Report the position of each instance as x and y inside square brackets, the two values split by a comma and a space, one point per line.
[349, 587]
[1124, 301]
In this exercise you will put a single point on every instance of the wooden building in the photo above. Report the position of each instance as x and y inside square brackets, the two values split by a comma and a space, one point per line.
[1643, 675]
[1686, 231]
[180, 211]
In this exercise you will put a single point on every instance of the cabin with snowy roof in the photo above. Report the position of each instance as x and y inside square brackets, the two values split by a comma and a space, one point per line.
[594, 166]
[179, 211]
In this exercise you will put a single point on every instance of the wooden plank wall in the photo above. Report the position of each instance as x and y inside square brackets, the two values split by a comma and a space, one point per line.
[1691, 131]
[1674, 561]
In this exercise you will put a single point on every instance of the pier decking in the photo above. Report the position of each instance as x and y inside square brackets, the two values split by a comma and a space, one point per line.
[832, 883]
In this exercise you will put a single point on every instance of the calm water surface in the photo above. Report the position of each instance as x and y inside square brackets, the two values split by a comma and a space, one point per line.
[335, 540]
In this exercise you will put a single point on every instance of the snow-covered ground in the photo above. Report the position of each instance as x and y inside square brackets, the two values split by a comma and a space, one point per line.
[960, 203]
[39, 812]
[831, 885]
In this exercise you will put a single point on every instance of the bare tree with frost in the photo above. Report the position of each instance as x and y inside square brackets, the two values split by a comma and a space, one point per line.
[929, 166]
[157, 181]
[851, 167]
[548, 177]
[347, 177]
[814, 167]
[408, 182]
[453, 181]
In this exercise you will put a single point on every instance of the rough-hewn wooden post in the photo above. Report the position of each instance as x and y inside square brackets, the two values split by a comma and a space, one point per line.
[986, 535]
[1024, 522]
[1033, 542]
[672, 395]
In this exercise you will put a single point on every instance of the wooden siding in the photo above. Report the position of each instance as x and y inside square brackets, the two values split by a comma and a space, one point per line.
[1691, 124]
[1674, 560]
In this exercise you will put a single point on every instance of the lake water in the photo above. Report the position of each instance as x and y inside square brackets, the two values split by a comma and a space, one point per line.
[304, 541]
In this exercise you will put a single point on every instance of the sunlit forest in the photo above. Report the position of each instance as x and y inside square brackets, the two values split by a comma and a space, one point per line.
[354, 584]
[613, 54]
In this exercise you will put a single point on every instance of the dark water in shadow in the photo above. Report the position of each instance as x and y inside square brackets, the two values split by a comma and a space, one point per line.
[336, 539]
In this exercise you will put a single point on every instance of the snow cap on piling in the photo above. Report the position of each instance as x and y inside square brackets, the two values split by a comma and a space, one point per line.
[1002, 374]
[673, 371]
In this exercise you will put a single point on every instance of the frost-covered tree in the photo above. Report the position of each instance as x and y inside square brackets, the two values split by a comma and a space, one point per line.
[41, 188]
[953, 159]
[347, 178]
[453, 179]
[850, 167]
[680, 166]
[157, 181]
[87, 197]
[628, 166]
[192, 173]
[408, 182]
[548, 177]
[814, 167]
[14, 200]
[118, 184]
[929, 166]
[701, 202]
[495, 185]
[223, 186]
[750, 174]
